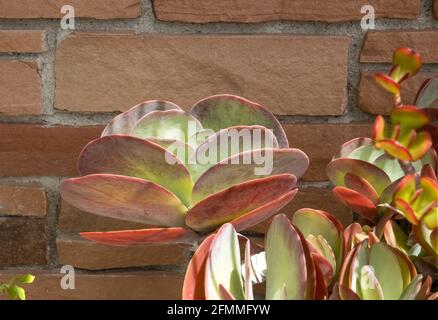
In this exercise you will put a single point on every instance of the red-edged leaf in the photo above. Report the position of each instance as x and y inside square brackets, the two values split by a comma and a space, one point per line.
[124, 122]
[194, 280]
[338, 168]
[347, 294]
[237, 201]
[409, 63]
[226, 295]
[357, 202]
[142, 236]
[263, 213]
[407, 210]
[124, 198]
[387, 83]
[224, 111]
[396, 149]
[361, 186]
[379, 129]
[243, 167]
[129, 156]
[348, 147]
[421, 145]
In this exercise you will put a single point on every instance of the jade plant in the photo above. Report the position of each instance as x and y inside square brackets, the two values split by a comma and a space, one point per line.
[389, 252]
[184, 174]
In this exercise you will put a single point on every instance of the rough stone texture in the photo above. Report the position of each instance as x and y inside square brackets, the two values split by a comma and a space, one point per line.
[435, 8]
[34, 150]
[18, 200]
[99, 9]
[374, 99]
[380, 45]
[80, 253]
[321, 141]
[72, 219]
[110, 72]
[261, 10]
[23, 242]
[316, 198]
[23, 41]
[143, 285]
[20, 88]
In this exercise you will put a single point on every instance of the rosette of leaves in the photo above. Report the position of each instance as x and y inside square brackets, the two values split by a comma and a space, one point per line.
[374, 270]
[13, 288]
[141, 169]
[365, 177]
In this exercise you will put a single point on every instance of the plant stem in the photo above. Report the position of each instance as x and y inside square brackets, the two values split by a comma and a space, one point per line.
[407, 167]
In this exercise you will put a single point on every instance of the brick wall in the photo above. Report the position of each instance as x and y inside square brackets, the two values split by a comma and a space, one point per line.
[307, 60]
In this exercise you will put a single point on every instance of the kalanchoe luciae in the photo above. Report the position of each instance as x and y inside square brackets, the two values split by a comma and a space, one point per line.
[140, 170]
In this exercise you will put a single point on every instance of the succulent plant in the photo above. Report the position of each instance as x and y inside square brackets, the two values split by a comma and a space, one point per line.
[292, 273]
[389, 252]
[13, 288]
[365, 177]
[366, 171]
[406, 63]
[146, 168]
[374, 270]
[300, 259]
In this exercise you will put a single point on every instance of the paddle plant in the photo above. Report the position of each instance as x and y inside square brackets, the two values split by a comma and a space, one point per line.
[390, 251]
[184, 174]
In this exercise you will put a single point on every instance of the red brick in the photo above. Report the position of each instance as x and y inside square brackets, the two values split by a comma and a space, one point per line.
[72, 219]
[99, 72]
[35, 150]
[23, 242]
[141, 285]
[316, 198]
[17, 200]
[374, 99]
[80, 253]
[321, 141]
[20, 88]
[380, 45]
[99, 9]
[202, 11]
[23, 41]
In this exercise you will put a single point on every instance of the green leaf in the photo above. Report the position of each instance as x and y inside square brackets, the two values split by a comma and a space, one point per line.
[124, 198]
[224, 111]
[27, 278]
[236, 170]
[286, 276]
[223, 265]
[387, 270]
[316, 223]
[124, 122]
[170, 124]
[370, 288]
[20, 293]
[133, 157]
